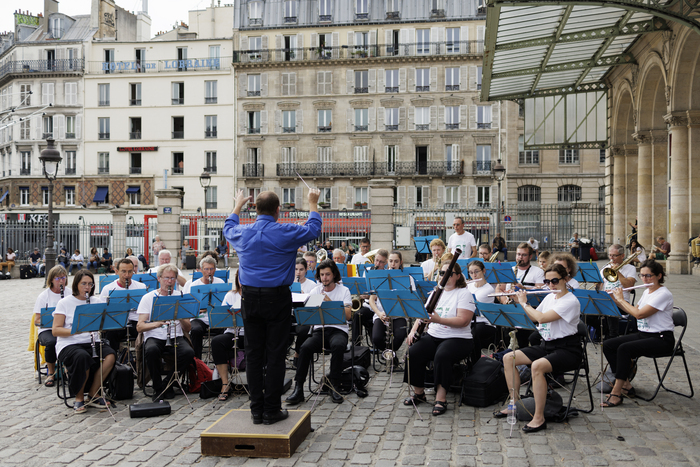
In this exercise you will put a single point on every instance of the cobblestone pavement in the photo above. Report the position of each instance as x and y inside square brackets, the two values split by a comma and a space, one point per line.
[37, 429]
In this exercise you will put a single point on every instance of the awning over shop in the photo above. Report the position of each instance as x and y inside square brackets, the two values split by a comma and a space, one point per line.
[100, 194]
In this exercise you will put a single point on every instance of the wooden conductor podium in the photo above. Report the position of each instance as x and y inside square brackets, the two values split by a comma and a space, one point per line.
[235, 435]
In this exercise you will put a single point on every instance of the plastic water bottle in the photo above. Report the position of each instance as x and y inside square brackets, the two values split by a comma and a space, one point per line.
[512, 417]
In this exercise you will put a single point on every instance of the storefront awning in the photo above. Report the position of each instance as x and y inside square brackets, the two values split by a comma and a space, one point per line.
[100, 194]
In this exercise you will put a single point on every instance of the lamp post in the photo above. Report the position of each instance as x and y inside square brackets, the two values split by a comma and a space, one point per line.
[205, 181]
[499, 172]
[50, 159]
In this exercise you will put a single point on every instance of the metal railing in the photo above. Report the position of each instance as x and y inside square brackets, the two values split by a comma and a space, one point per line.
[422, 126]
[391, 128]
[361, 127]
[254, 131]
[483, 126]
[452, 87]
[46, 135]
[42, 66]
[254, 93]
[158, 66]
[361, 90]
[25, 171]
[70, 135]
[210, 169]
[423, 88]
[452, 126]
[351, 169]
[135, 135]
[324, 129]
[103, 103]
[103, 170]
[178, 134]
[134, 170]
[253, 170]
[134, 101]
[70, 170]
[211, 100]
[481, 167]
[210, 133]
[178, 101]
[289, 129]
[103, 135]
[177, 170]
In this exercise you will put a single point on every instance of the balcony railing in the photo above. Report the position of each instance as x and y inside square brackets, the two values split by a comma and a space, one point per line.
[158, 66]
[103, 103]
[324, 129]
[254, 131]
[70, 135]
[178, 170]
[42, 66]
[211, 204]
[393, 15]
[210, 100]
[289, 129]
[254, 93]
[391, 128]
[452, 126]
[437, 13]
[361, 127]
[178, 134]
[452, 87]
[210, 133]
[361, 16]
[361, 90]
[178, 100]
[47, 135]
[135, 135]
[103, 135]
[483, 126]
[391, 89]
[422, 127]
[354, 169]
[325, 18]
[423, 88]
[134, 101]
[290, 19]
[25, 171]
[103, 170]
[135, 170]
[481, 167]
[253, 170]
[210, 169]
[70, 170]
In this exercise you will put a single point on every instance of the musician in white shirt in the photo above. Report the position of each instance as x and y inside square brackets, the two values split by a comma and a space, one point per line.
[200, 324]
[359, 258]
[125, 271]
[483, 332]
[461, 239]
[626, 277]
[54, 291]
[307, 285]
[164, 257]
[569, 262]
[430, 269]
[222, 345]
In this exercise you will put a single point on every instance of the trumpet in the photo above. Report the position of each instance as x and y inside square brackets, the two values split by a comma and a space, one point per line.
[528, 292]
[321, 255]
[168, 343]
[610, 274]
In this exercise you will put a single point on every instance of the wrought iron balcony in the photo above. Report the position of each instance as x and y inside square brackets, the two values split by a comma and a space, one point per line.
[47, 135]
[70, 170]
[25, 171]
[325, 18]
[391, 128]
[361, 90]
[437, 13]
[210, 169]
[289, 129]
[393, 15]
[361, 127]
[254, 93]
[134, 101]
[481, 167]
[210, 100]
[452, 126]
[178, 100]
[178, 170]
[358, 169]
[135, 135]
[361, 16]
[324, 129]
[253, 170]
[70, 135]
[254, 131]
[211, 204]
[135, 170]
[483, 126]
[290, 19]
[178, 134]
[103, 135]
[422, 127]
[103, 170]
[210, 133]
[423, 88]
[452, 87]
[391, 89]
[41, 66]
[103, 103]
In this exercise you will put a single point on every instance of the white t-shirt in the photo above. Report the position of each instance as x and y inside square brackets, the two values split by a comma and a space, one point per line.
[662, 320]
[428, 266]
[481, 295]
[573, 283]
[629, 271]
[47, 299]
[78, 258]
[66, 307]
[642, 254]
[358, 259]
[465, 242]
[447, 306]
[233, 299]
[534, 275]
[145, 308]
[114, 285]
[534, 244]
[339, 294]
[568, 307]
[188, 286]
[307, 286]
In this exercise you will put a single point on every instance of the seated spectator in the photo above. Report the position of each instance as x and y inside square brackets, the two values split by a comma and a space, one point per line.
[9, 261]
[663, 248]
[93, 259]
[338, 256]
[76, 260]
[535, 245]
[129, 252]
[35, 260]
[62, 258]
[222, 249]
[499, 244]
[106, 260]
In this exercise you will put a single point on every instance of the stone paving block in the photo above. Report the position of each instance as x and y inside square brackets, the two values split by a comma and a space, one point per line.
[413, 459]
[361, 459]
[596, 461]
[492, 458]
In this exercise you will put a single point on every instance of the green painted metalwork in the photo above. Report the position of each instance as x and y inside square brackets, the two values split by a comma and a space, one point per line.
[612, 60]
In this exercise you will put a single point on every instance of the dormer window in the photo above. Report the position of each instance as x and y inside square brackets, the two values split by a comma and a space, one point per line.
[255, 9]
[56, 28]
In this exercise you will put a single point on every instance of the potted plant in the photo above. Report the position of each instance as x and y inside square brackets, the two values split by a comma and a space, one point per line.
[358, 205]
[364, 205]
[324, 205]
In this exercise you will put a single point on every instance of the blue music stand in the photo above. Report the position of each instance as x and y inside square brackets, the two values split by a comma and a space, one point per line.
[150, 280]
[210, 294]
[223, 316]
[343, 269]
[588, 272]
[222, 274]
[132, 298]
[47, 317]
[311, 275]
[329, 313]
[424, 288]
[295, 287]
[499, 273]
[594, 303]
[357, 285]
[534, 300]
[510, 315]
[464, 263]
[388, 279]
[402, 304]
[95, 317]
[416, 272]
[107, 279]
[423, 243]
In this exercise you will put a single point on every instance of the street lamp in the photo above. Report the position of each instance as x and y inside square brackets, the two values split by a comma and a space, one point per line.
[205, 181]
[499, 172]
[50, 159]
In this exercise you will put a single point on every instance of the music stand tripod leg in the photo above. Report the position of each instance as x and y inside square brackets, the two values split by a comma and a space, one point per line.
[175, 377]
[102, 387]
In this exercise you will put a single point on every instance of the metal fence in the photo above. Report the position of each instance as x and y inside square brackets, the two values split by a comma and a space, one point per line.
[551, 225]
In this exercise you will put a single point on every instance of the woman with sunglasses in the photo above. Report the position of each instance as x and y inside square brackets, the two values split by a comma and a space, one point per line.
[447, 340]
[557, 319]
[48, 298]
[76, 350]
[654, 336]
[483, 331]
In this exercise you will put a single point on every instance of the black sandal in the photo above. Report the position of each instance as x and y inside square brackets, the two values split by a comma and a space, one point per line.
[50, 382]
[223, 397]
[415, 399]
[608, 403]
[439, 408]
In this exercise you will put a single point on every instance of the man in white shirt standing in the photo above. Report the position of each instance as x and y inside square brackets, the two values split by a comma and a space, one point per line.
[359, 258]
[462, 239]
[626, 277]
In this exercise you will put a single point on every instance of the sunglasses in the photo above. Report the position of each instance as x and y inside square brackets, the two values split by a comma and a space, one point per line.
[442, 273]
[551, 281]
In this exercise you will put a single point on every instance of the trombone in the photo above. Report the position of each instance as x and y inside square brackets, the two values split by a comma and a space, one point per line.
[610, 274]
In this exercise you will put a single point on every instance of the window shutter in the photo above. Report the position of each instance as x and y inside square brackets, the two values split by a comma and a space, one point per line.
[411, 118]
[373, 40]
[297, 85]
[39, 127]
[372, 81]
[381, 76]
[472, 78]
[433, 79]
[314, 40]
[440, 196]
[426, 196]
[463, 77]
[334, 197]
[412, 79]
[472, 117]
[60, 127]
[278, 121]
[279, 55]
[463, 120]
[244, 42]
[464, 37]
[349, 114]
[351, 37]
[471, 202]
[402, 118]
[401, 196]
[285, 84]
[387, 38]
[350, 77]
[243, 85]
[433, 117]
[411, 196]
[263, 122]
[433, 39]
[263, 84]
[329, 83]
[264, 43]
[300, 121]
[372, 118]
[480, 39]
[495, 115]
[441, 117]
[349, 198]
[300, 47]
[278, 192]
[335, 43]
[402, 80]
[242, 122]
[369, 197]
[441, 38]
[78, 127]
[411, 41]
[403, 44]
[381, 113]
[292, 84]
[455, 154]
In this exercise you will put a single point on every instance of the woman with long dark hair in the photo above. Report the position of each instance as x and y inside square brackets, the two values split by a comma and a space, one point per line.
[48, 298]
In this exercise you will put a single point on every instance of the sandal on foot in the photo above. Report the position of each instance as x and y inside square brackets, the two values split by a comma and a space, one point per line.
[415, 399]
[223, 397]
[609, 403]
[79, 407]
[50, 382]
[631, 392]
[439, 408]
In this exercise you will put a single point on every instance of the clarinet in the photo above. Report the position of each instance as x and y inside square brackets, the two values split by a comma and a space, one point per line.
[168, 343]
[61, 291]
[388, 351]
[92, 334]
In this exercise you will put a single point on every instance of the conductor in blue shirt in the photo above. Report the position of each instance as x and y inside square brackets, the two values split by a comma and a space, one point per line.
[267, 251]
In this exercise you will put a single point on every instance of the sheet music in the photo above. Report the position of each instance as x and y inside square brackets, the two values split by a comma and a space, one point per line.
[314, 300]
[300, 297]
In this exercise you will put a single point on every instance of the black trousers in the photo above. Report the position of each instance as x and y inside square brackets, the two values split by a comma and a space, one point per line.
[78, 360]
[48, 340]
[442, 352]
[620, 351]
[222, 347]
[153, 351]
[302, 333]
[379, 334]
[362, 320]
[332, 339]
[197, 333]
[482, 335]
[267, 321]
[115, 337]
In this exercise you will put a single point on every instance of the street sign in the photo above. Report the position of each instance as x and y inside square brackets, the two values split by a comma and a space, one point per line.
[507, 219]
[167, 210]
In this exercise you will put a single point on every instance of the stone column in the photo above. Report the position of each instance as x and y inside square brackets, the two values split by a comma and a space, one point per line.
[643, 188]
[694, 156]
[659, 184]
[118, 232]
[382, 207]
[631, 165]
[619, 194]
[169, 204]
[678, 237]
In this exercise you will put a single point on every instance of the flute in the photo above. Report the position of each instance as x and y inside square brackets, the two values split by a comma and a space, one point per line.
[643, 286]
[528, 292]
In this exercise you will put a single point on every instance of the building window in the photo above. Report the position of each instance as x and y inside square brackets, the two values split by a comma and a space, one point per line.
[325, 197]
[210, 126]
[48, 127]
[361, 9]
[362, 82]
[288, 195]
[47, 93]
[255, 49]
[290, 11]
[70, 196]
[71, 90]
[255, 12]
[24, 196]
[391, 119]
[134, 193]
[483, 158]
[25, 160]
[253, 85]
[178, 163]
[70, 162]
[422, 118]
[102, 163]
[135, 163]
[324, 120]
[135, 128]
[211, 198]
[392, 9]
[324, 10]
[324, 82]
[478, 78]
[178, 127]
[108, 60]
[210, 160]
[178, 93]
[361, 119]
[569, 193]
[253, 123]
[361, 196]
[361, 43]
[529, 194]
[392, 153]
[25, 94]
[104, 128]
[419, 196]
[529, 157]
[45, 195]
[210, 92]
[422, 41]
[325, 160]
[568, 157]
[452, 40]
[602, 156]
[483, 117]
[103, 95]
[452, 79]
[422, 79]
[452, 159]
[101, 191]
[601, 194]
[391, 82]
[452, 117]
[289, 121]
[214, 56]
[361, 159]
[289, 156]
[182, 58]
[135, 94]
[451, 196]
[140, 55]
[25, 129]
[483, 196]
[70, 126]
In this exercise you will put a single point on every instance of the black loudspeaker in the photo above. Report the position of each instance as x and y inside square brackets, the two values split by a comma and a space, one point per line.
[152, 409]
[191, 262]
[121, 382]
